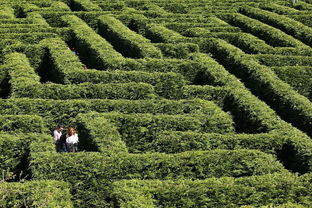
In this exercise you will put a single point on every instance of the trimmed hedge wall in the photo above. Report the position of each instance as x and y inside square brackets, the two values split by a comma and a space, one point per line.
[63, 112]
[7, 13]
[22, 123]
[278, 60]
[299, 77]
[98, 134]
[177, 141]
[288, 25]
[26, 83]
[271, 35]
[131, 91]
[15, 150]
[98, 171]
[84, 5]
[290, 105]
[271, 190]
[67, 68]
[124, 40]
[100, 52]
[50, 194]
[177, 50]
[138, 130]
[10, 159]
[293, 150]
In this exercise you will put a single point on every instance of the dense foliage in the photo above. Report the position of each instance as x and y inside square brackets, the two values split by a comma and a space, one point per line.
[178, 103]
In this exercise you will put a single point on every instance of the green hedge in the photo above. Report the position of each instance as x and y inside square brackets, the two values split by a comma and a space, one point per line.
[100, 53]
[138, 130]
[288, 25]
[293, 150]
[290, 105]
[177, 141]
[178, 50]
[22, 123]
[305, 19]
[98, 134]
[13, 155]
[26, 83]
[206, 92]
[7, 13]
[271, 190]
[98, 171]
[279, 60]
[299, 77]
[49, 194]
[67, 68]
[168, 85]
[157, 34]
[279, 9]
[132, 91]
[63, 112]
[124, 40]
[84, 5]
[31, 37]
[271, 35]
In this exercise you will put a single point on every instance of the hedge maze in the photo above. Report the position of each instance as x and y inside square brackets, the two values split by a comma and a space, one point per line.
[177, 103]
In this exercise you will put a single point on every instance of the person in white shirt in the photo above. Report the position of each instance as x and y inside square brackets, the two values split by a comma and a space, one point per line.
[72, 140]
[57, 133]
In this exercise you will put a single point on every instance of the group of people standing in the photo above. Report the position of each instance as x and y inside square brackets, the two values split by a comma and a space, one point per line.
[67, 142]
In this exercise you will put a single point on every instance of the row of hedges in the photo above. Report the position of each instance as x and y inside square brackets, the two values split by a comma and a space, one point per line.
[50, 194]
[21, 123]
[191, 70]
[63, 111]
[254, 116]
[177, 141]
[138, 130]
[54, 6]
[288, 25]
[83, 5]
[305, 19]
[124, 40]
[31, 38]
[291, 106]
[7, 13]
[155, 32]
[13, 155]
[251, 44]
[279, 9]
[271, 35]
[26, 83]
[91, 174]
[293, 150]
[269, 191]
[131, 91]
[98, 134]
[177, 50]
[67, 68]
[299, 77]
[100, 53]
[280, 60]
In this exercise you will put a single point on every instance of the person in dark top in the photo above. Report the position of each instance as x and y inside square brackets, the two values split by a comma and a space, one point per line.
[63, 143]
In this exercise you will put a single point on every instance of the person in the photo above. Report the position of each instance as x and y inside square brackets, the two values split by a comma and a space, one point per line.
[62, 142]
[57, 133]
[72, 140]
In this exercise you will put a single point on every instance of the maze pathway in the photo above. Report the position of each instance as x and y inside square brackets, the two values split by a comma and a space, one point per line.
[177, 103]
